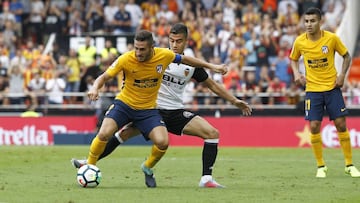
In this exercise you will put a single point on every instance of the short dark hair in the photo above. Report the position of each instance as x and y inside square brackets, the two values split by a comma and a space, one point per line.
[144, 35]
[179, 28]
[314, 11]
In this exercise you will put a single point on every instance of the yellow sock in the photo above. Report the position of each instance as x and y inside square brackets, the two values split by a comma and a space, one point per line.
[96, 148]
[345, 143]
[317, 148]
[155, 156]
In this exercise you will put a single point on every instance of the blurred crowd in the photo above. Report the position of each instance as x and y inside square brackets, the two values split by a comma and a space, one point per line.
[253, 36]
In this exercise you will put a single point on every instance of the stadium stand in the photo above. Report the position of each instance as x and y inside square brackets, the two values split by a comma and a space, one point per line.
[254, 37]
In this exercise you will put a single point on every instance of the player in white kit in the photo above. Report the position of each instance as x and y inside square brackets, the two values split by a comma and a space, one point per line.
[178, 120]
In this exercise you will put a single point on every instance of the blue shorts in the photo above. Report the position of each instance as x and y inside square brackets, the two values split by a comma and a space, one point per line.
[317, 102]
[144, 120]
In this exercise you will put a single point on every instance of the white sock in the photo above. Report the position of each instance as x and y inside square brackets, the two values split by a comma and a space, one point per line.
[117, 135]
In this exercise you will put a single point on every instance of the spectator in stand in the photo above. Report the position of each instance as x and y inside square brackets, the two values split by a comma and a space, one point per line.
[266, 4]
[331, 18]
[223, 38]
[264, 83]
[52, 21]
[208, 42]
[250, 14]
[135, 12]
[73, 74]
[228, 10]
[290, 17]
[25, 18]
[164, 12]
[10, 37]
[4, 88]
[4, 54]
[232, 76]
[95, 18]
[36, 88]
[55, 88]
[19, 59]
[87, 57]
[76, 23]
[287, 38]
[283, 6]
[250, 88]
[293, 94]
[151, 6]
[147, 22]
[250, 46]
[109, 12]
[122, 20]
[6, 15]
[36, 20]
[237, 52]
[17, 90]
[64, 8]
[16, 7]
[305, 4]
[282, 68]
[277, 90]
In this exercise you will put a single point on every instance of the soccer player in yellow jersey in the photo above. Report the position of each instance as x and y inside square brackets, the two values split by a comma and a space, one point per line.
[322, 86]
[143, 69]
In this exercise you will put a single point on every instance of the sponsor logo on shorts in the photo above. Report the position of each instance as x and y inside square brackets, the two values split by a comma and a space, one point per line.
[187, 114]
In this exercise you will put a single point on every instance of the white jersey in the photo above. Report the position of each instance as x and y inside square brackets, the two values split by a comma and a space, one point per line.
[173, 85]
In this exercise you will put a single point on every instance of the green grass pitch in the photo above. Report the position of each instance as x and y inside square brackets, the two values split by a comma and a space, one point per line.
[44, 174]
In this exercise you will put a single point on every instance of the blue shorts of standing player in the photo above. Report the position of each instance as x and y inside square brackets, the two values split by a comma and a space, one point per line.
[317, 102]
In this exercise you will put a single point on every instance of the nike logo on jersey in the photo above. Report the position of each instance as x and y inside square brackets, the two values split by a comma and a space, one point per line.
[343, 109]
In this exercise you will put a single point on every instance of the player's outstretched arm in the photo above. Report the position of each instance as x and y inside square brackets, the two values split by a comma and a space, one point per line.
[93, 93]
[198, 63]
[219, 90]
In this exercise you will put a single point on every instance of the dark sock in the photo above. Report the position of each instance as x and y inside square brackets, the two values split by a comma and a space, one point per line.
[110, 147]
[209, 154]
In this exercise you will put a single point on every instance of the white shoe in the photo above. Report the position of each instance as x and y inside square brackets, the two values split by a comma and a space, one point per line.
[352, 171]
[321, 172]
[208, 182]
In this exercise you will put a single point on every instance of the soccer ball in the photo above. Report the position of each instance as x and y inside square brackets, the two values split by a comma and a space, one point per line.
[88, 175]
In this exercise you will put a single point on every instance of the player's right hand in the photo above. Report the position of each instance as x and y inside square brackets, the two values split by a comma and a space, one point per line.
[223, 69]
[300, 80]
[93, 94]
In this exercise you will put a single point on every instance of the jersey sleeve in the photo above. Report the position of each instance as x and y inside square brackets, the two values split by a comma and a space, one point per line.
[339, 46]
[116, 66]
[200, 75]
[295, 51]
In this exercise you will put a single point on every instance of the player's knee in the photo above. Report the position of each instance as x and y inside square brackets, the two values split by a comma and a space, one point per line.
[315, 127]
[162, 145]
[341, 127]
[161, 142]
[211, 134]
[103, 137]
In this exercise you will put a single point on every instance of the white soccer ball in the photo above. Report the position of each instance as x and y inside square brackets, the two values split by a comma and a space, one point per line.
[88, 175]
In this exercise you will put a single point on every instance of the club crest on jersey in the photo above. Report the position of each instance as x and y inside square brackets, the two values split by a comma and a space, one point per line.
[186, 71]
[159, 68]
[324, 49]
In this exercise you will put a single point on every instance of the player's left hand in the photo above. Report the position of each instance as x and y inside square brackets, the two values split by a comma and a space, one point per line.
[244, 106]
[339, 81]
[223, 69]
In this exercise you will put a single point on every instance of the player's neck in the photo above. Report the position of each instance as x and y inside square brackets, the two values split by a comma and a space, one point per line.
[315, 36]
